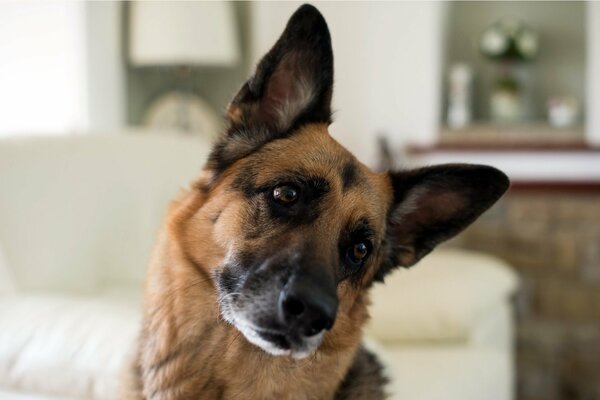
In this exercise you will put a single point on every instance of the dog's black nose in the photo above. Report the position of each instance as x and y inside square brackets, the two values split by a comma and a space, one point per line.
[308, 306]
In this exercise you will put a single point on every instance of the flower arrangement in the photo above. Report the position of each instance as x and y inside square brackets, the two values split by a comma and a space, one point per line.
[509, 40]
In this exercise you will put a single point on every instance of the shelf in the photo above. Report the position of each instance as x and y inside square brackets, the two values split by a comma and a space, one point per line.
[535, 156]
[521, 137]
[503, 148]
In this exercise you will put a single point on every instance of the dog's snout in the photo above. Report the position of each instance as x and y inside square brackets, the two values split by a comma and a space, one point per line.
[308, 306]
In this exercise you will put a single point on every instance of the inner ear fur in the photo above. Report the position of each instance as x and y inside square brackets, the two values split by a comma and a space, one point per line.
[433, 204]
[292, 85]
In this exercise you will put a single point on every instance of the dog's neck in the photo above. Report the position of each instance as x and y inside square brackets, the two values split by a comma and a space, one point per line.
[187, 349]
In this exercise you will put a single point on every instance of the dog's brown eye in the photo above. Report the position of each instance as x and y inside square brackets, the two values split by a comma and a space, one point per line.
[285, 194]
[358, 252]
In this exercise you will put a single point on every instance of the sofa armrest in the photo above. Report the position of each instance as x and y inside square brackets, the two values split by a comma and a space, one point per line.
[446, 297]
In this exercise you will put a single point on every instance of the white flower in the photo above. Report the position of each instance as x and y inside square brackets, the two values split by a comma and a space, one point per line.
[493, 42]
[527, 43]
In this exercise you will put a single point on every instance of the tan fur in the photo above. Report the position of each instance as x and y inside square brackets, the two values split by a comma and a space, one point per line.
[185, 348]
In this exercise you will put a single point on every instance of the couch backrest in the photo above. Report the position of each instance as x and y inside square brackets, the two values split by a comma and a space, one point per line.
[80, 211]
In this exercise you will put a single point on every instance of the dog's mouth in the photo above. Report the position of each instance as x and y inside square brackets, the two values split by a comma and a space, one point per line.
[277, 342]
[288, 343]
[280, 340]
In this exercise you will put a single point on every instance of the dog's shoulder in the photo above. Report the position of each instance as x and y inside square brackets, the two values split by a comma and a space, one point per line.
[365, 379]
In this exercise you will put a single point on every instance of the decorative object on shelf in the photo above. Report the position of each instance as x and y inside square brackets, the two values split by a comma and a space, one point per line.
[506, 100]
[563, 111]
[459, 96]
[183, 35]
[508, 42]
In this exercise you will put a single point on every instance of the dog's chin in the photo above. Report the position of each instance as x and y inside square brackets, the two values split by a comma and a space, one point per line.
[277, 343]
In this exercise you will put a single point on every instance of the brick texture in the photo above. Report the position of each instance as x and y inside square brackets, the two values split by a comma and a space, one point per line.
[553, 241]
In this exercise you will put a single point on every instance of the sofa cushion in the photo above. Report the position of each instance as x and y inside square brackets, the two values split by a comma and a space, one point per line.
[444, 297]
[447, 372]
[79, 210]
[65, 346]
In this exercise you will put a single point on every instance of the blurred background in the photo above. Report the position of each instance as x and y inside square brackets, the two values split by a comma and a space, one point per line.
[510, 84]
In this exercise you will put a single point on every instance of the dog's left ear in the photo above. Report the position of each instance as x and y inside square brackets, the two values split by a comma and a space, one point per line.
[433, 204]
[292, 85]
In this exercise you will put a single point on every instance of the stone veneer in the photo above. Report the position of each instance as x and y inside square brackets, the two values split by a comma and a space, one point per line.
[553, 241]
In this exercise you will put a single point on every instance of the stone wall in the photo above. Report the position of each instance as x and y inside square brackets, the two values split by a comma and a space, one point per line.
[553, 240]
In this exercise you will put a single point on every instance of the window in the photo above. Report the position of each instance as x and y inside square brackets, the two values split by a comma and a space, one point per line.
[42, 67]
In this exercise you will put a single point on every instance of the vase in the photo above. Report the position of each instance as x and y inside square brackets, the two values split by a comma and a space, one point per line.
[506, 103]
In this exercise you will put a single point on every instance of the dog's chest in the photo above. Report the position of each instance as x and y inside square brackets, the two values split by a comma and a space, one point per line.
[259, 377]
[326, 378]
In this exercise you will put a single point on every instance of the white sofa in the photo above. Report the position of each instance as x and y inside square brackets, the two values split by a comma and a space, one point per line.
[78, 215]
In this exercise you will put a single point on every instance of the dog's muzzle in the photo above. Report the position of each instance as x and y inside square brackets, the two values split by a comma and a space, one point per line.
[306, 307]
[284, 306]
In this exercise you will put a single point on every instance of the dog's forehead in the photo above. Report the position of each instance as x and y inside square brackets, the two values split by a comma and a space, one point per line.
[311, 151]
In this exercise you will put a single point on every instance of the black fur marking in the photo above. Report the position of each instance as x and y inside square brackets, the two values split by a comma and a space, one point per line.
[245, 181]
[230, 279]
[214, 388]
[237, 143]
[445, 200]
[349, 175]
[152, 369]
[364, 380]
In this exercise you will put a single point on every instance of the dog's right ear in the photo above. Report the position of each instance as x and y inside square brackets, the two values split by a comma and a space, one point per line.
[292, 85]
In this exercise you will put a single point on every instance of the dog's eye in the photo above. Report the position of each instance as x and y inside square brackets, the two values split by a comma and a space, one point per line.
[358, 252]
[285, 194]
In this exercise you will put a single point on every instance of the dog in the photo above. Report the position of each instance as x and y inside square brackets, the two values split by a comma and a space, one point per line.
[259, 282]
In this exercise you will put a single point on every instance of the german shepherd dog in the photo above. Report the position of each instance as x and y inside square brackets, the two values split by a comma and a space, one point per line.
[259, 282]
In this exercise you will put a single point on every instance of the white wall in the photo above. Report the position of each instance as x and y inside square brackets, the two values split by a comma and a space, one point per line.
[42, 75]
[593, 76]
[105, 65]
[387, 62]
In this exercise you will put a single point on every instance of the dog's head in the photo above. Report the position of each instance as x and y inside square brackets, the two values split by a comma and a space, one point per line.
[299, 229]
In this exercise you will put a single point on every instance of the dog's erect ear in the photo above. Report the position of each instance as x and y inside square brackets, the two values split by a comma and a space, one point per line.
[433, 204]
[293, 82]
[292, 85]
